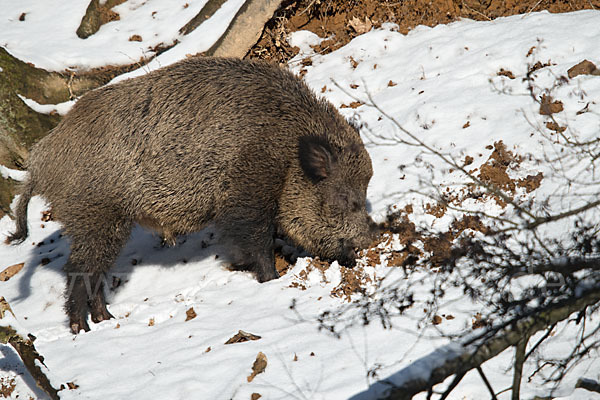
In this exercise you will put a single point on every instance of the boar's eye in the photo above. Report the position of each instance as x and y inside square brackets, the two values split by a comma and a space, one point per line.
[345, 202]
[341, 200]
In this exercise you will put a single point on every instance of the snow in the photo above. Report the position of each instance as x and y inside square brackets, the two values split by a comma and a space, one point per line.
[60, 109]
[199, 40]
[9, 320]
[444, 77]
[53, 46]
[12, 173]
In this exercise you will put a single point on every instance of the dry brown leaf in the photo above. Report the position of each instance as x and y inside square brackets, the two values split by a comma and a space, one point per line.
[506, 73]
[359, 26]
[259, 366]
[478, 321]
[4, 307]
[241, 337]
[553, 126]
[307, 62]
[11, 271]
[190, 314]
[47, 216]
[151, 322]
[354, 104]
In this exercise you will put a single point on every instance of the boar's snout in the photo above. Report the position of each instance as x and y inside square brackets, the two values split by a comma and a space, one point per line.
[348, 255]
[350, 247]
[375, 230]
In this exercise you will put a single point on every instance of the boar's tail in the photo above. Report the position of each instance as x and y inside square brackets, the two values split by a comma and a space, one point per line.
[21, 214]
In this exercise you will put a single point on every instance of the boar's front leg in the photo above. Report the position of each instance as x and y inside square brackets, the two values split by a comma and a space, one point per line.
[250, 233]
[97, 238]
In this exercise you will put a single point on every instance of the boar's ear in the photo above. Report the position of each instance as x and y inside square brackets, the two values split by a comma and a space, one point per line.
[316, 157]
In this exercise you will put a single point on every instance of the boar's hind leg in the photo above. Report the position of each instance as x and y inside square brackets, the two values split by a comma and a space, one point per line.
[252, 236]
[95, 244]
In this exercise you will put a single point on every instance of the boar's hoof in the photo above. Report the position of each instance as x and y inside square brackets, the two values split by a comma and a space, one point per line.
[79, 324]
[99, 312]
[263, 276]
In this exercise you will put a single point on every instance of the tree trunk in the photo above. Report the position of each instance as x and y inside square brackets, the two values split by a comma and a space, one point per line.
[20, 126]
[97, 15]
[434, 368]
[245, 29]
[26, 350]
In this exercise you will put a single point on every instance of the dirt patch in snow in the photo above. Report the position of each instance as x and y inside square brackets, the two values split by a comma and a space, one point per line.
[7, 387]
[341, 20]
[401, 245]
[494, 174]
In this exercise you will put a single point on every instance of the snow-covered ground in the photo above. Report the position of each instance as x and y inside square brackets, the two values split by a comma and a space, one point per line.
[47, 35]
[440, 83]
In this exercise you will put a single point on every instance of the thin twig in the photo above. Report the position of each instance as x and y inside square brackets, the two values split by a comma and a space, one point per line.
[457, 378]
[519, 360]
[487, 383]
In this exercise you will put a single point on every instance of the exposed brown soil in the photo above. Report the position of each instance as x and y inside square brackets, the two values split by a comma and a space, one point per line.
[342, 20]
[7, 386]
[550, 106]
[495, 173]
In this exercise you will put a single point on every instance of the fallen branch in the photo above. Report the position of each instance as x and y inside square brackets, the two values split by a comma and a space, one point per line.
[25, 349]
[588, 384]
[207, 11]
[459, 358]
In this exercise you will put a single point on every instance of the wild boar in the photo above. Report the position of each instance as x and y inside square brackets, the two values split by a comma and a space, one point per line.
[245, 145]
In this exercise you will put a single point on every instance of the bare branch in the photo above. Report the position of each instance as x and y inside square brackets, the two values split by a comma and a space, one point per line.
[487, 383]
[519, 360]
[461, 358]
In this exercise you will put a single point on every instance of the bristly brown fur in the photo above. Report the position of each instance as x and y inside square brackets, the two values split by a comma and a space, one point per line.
[203, 140]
